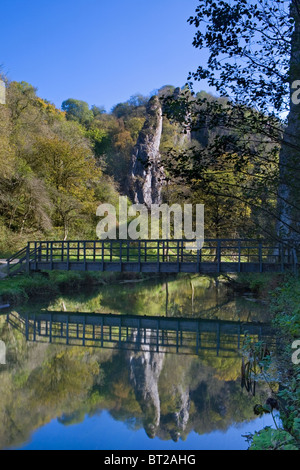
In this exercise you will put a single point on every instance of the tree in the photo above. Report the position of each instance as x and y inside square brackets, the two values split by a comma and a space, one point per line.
[79, 111]
[254, 62]
[97, 110]
[71, 175]
[134, 107]
[51, 179]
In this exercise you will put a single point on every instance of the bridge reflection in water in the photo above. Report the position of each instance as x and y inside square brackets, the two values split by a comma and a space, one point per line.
[128, 332]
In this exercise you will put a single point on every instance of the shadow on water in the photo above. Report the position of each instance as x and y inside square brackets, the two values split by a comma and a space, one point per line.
[162, 356]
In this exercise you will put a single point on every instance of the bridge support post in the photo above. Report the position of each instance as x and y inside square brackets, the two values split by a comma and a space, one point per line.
[260, 258]
[28, 258]
[219, 256]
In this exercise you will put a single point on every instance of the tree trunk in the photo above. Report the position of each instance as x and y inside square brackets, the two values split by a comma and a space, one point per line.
[289, 161]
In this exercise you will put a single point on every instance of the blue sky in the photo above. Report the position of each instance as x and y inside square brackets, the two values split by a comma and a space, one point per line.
[99, 51]
[102, 432]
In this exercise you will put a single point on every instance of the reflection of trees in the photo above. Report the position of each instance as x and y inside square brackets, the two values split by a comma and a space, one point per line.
[182, 296]
[62, 378]
[167, 395]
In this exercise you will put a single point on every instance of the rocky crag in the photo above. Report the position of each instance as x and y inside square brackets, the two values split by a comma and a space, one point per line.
[147, 174]
[145, 369]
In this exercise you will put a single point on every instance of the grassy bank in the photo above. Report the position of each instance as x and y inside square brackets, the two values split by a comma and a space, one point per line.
[22, 288]
[262, 285]
[282, 294]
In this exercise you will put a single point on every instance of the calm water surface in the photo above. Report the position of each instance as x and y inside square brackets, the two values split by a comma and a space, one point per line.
[77, 394]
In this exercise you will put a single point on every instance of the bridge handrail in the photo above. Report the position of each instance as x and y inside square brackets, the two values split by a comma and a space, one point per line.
[214, 250]
[25, 251]
[17, 255]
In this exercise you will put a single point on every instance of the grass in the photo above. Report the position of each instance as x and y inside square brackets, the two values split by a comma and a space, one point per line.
[24, 287]
[21, 288]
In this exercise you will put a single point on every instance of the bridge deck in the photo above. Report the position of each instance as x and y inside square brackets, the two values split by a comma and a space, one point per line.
[156, 256]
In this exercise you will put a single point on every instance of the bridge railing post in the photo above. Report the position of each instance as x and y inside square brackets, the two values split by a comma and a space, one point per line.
[219, 254]
[198, 257]
[68, 255]
[51, 254]
[84, 255]
[158, 258]
[102, 254]
[120, 253]
[260, 258]
[239, 256]
[40, 248]
[35, 254]
[28, 258]
[62, 251]
[139, 254]
[78, 254]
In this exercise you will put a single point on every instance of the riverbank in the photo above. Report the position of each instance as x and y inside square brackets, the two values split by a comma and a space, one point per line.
[281, 292]
[283, 295]
[26, 287]
[23, 288]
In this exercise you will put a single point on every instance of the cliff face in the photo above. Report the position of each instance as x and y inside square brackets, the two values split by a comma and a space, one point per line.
[179, 419]
[146, 172]
[145, 369]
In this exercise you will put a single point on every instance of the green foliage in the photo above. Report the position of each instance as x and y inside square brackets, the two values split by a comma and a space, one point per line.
[285, 300]
[19, 289]
[50, 174]
[220, 162]
[286, 306]
[79, 111]
[261, 284]
[56, 167]
[134, 107]
[273, 439]
[25, 287]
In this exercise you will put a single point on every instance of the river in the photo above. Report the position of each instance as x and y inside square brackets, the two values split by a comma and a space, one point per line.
[169, 391]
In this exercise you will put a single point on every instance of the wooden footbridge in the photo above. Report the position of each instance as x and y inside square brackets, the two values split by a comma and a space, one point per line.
[190, 336]
[156, 256]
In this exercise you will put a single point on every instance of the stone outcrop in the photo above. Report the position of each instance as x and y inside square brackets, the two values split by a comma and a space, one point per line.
[145, 369]
[180, 418]
[147, 175]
